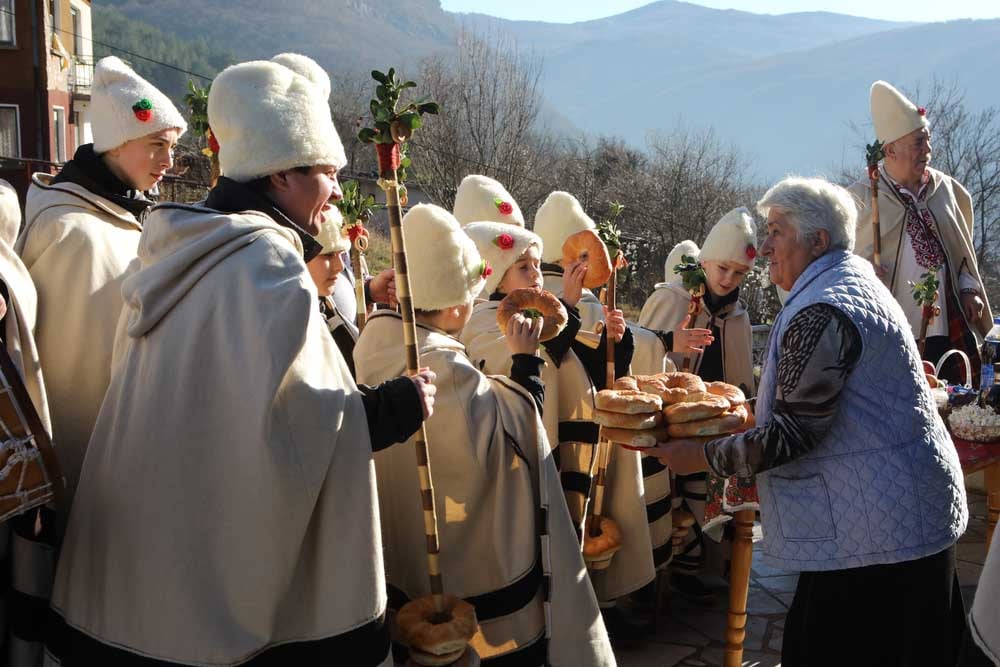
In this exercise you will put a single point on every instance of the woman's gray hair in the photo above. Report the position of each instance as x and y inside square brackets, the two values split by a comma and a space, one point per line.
[812, 204]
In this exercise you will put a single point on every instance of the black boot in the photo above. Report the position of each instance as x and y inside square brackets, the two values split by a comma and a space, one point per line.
[690, 586]
[623, 633]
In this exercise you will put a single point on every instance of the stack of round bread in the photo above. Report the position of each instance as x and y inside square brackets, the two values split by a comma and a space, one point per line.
[630, 414]
[691, 408]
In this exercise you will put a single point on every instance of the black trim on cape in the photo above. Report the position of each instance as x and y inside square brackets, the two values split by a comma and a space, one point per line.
[364, 646]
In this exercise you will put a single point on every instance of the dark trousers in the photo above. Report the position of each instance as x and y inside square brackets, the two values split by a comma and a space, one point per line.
[906, 614]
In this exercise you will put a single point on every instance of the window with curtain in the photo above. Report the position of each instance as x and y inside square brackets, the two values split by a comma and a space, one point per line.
[9, 139]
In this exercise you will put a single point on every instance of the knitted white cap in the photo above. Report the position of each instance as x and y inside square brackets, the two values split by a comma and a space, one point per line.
[268, 118]
[893, 115]
[444, 267]
[559, 217]
[331, 234]
[10, 213]
[674, 258]
[732, 239]
[501, 245]
[480, 198]
[124, 106]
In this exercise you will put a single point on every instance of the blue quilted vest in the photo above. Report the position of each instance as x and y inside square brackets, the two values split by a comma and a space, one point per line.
[884, 485]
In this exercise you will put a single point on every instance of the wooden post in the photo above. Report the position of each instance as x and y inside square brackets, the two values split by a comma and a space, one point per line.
[739, 586]
[388, 162]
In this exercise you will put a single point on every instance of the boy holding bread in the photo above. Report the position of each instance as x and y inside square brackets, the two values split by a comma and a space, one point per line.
[506, 540]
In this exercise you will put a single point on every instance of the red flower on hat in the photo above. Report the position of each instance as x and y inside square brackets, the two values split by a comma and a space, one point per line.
[504, 241]
[143, 110]
[213, 143]
[485, 270]
[922, 111]
[504, 207]
[751, 251]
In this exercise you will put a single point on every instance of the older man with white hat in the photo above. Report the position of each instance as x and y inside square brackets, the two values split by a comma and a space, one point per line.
[926, 223]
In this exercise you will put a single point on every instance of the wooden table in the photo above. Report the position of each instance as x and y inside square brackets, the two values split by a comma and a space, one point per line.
[975, 457]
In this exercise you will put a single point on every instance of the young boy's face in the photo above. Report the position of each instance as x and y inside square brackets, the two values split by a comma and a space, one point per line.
[526, 272]
[724, 277]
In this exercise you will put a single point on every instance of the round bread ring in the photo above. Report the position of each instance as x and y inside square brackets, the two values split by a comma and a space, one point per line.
[636, 440]
[529, 299]
[603, 545]
[635, 422]
[724, 424]
[627, 401]
[679, 385]
[730, 392]
[432, 640]
[680, 413]
[587, 246]
[626, 383]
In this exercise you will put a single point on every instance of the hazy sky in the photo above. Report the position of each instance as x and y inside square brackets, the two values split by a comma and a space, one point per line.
[568, 11]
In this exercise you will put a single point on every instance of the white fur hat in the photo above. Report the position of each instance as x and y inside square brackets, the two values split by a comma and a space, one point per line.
[307, 67]
[674, 258]
[125, 106]
[558, 218]
[893, 115]
[732, 239]
[331, 234]
[480, 198]
[268, 117]
[444, 266]
[10, 213]
[501, 245]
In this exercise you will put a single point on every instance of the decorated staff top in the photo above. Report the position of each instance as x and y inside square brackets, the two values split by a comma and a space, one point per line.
[393, 125]
[693, 279]
[874, 153]
[612, 236]
[925, 293]
[357, 210]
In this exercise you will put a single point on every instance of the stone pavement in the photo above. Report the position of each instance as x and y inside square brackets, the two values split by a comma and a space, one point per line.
[692, 635]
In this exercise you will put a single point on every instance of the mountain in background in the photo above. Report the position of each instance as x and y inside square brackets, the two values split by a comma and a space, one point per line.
[782, 88]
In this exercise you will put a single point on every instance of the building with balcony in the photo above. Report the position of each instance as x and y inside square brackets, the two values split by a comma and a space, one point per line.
[47, 60]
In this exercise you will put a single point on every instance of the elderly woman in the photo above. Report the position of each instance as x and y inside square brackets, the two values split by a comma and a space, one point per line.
[860, 486]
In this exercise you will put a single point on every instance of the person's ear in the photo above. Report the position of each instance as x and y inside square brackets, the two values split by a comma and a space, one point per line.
[279, 181]
[821, 243]
[890, 149]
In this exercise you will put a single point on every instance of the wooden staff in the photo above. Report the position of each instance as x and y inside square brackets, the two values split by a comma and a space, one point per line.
[388, 162]
[603, 446]
[874, 154]
[359, 243]
[739, 587]
[694, 308]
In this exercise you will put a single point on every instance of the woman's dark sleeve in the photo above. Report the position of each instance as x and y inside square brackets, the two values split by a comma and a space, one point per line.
[561, 344]
[818, 351]
[526, 370]
[394, 411]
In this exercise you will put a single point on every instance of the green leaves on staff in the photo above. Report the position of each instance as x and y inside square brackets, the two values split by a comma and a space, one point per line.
[691, 273]
[925, 292]
[392, 124]
[874, 153]
[355, 206]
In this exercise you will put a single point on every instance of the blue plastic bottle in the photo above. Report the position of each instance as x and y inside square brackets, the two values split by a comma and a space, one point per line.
[990, 354]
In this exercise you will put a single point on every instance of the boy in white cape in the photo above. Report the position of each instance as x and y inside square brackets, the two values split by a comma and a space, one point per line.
[507, 543]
